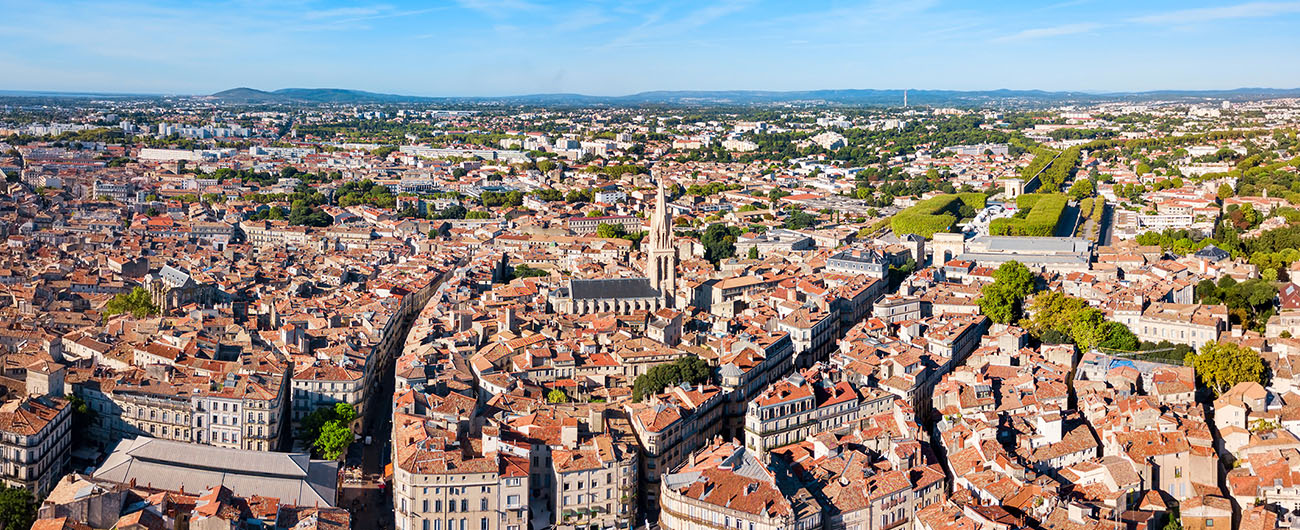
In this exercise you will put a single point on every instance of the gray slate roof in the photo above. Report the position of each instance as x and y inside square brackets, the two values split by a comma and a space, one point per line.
[294, 478]
[618, 288]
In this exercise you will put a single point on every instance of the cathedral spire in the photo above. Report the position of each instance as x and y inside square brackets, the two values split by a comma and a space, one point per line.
[661, 258]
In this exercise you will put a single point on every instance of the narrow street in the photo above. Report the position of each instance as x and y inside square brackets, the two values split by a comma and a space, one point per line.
[370, 500]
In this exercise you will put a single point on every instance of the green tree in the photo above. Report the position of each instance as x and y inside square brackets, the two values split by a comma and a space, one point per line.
[610, 230]
[312, 426]
[557, 396]
[1226, 191]
[1082, 188]
[1117, 336]
[1220, 365]
[999, 304]
[17, 508]
[1015, 276]
[334, 439]
[719, 242]
[753, 252]
[1003, 300]
[689, 369]
[137, 302]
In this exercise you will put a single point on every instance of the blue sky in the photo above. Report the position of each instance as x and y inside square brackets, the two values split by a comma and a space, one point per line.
[506, 47]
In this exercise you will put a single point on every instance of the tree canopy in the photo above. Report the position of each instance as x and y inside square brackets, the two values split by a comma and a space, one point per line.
[327, 430]
[138, 303]
[17, 508]
[1003, 300]
[1057, 317]
[1220, 365]
[719, 242]
[688, 369]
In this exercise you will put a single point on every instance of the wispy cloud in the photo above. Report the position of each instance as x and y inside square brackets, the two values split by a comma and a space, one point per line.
[345, 12]
[1210, 14]
[498, 8]
[1054, 31]
[660, 25]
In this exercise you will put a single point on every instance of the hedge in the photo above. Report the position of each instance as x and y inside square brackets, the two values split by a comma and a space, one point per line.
[936, 214]
[1040, 221]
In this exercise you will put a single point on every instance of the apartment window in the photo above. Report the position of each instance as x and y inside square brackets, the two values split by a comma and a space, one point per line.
[464, 506]
[437, 506]
[483, 524]
[437, 524]
[483, 504]
[426, 524]
[512, 500]
[1209, 522]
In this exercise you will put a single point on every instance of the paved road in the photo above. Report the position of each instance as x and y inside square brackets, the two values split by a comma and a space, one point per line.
[1107, 225]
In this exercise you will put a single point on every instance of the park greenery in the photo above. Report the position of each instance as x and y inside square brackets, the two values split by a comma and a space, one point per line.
[138, 303]
[617, 231]
[1038, 216]
[365, 192]
[937, 214]
[688, 369]
[1220, 365]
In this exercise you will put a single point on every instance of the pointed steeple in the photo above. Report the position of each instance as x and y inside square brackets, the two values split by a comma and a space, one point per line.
[661, 257]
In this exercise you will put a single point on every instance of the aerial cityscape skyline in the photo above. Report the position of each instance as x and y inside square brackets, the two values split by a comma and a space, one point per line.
[649, 265]
[513, 47]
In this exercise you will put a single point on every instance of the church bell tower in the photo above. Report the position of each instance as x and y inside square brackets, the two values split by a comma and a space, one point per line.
[661, 264]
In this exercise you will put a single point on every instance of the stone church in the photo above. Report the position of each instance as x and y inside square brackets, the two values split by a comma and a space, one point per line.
[625, 295]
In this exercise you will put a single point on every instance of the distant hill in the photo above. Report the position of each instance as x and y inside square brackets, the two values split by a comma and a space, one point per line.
[869, 97]
[311, 95]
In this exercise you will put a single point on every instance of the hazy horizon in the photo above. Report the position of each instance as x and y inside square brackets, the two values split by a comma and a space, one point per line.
[487, 48]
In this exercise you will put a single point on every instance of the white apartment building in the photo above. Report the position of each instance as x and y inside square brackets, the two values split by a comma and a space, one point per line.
[34, 442]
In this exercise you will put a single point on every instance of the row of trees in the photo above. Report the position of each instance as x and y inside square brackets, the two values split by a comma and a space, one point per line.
[1060, 170]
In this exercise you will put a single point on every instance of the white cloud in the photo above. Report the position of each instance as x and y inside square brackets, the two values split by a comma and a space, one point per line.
[1054, 31]
[348, 12]
[1210, 14]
